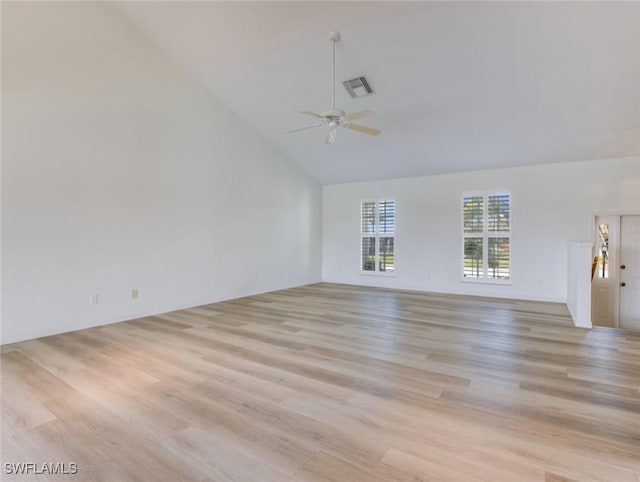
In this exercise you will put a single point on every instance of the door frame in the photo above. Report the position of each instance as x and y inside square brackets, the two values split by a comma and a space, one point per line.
[617, 246]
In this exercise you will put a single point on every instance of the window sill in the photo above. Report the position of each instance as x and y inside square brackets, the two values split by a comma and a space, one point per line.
[484, 281]
[377, 273]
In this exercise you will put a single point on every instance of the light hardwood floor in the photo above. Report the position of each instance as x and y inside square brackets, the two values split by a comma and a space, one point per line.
[330, 382]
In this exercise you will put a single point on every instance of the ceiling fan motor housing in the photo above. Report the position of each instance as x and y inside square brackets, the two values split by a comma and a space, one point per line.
[333, 113]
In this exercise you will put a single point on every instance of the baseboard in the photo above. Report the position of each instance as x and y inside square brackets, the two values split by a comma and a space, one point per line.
[505, 296]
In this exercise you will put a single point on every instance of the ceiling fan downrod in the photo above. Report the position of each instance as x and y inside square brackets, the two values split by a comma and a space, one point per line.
[335, 37]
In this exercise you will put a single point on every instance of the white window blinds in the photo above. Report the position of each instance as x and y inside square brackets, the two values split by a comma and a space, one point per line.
[377, 243]
[486, 232]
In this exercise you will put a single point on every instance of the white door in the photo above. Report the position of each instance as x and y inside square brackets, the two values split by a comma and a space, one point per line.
[604, 284]
[629, 272]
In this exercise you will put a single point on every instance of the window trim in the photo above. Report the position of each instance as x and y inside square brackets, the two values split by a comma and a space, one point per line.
[485, 236]
[377, 235]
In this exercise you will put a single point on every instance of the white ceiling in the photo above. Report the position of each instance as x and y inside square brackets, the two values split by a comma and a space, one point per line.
[459, 86]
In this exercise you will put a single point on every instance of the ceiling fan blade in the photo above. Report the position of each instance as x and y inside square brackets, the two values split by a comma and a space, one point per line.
[303, 128]
[359, 115]
[364, 129]
[312, 114]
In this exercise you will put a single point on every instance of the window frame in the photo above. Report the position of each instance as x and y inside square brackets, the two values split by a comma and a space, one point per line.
[377, 235]
[485, 235]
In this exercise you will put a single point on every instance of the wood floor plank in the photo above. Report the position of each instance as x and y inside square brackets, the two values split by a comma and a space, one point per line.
[334, 383]
[221, 458]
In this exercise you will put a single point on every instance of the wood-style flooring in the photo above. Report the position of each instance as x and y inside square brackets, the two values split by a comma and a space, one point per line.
[330, 383]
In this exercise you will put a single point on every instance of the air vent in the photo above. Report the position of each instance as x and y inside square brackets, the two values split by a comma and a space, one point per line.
[358, 87]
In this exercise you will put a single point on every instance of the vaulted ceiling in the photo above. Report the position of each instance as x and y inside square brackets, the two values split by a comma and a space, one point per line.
[459, 85]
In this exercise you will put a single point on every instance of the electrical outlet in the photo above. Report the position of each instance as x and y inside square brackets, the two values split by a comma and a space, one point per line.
[134, 294]
[93, 299]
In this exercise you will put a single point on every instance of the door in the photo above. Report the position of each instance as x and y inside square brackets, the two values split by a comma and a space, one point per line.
[604, 284]
[630, 272]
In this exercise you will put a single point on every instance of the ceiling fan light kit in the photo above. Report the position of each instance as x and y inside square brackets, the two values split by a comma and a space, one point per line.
[334, 118]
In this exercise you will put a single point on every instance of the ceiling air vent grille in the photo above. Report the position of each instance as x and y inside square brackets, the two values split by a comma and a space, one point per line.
[358, 87]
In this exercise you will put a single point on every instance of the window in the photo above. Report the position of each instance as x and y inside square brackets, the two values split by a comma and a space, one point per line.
[602, 260]
[378, 225]
[486, 231]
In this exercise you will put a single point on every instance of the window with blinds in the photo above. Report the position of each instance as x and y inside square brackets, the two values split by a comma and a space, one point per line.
[486, 232]
[377, 236]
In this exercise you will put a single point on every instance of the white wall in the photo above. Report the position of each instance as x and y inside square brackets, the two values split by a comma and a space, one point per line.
[551, 206]
[118, 172]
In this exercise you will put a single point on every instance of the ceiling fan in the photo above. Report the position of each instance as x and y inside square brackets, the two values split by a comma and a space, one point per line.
[334, 118]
